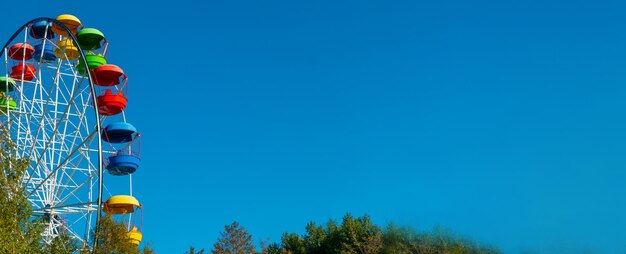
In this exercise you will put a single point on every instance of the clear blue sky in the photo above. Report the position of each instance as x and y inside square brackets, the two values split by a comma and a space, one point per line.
[503, 121]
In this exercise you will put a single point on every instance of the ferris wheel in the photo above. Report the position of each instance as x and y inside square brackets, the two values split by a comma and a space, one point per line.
[63, 105]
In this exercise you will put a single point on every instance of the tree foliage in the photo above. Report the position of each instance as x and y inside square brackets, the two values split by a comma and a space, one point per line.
[234, 240]
[19, 232]
[360, 235]
[407, 240]
[355, 235]
[62, 244]
[112, 238]
[192, 250]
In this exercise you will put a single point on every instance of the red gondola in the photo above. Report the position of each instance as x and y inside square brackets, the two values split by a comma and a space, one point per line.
[21, 51]
[111, 104]
[28, 70]
[108, 75]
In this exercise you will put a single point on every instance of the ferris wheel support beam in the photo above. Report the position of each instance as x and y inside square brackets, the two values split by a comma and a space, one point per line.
[61, 164]
[72, 37]
[54, 134]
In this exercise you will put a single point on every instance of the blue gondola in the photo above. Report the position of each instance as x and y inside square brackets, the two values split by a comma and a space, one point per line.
[48, 53]
[38, 30]
[119, 132]
[123, 163]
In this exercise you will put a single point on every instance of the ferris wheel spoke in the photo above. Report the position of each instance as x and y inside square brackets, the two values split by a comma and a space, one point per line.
[63, 136]
[41, 111]
[71, 181]
[83, 217]
[69, 201]
[106, 189]
[59, 187]
[73, 192]
[84, 155]
[64, 117]
[66, 209]
[68, 176]
[45, 100]
[56, 222]
[64, 161]
[58, 217]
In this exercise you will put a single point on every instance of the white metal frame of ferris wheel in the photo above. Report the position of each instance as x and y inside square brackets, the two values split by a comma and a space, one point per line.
[53, 126]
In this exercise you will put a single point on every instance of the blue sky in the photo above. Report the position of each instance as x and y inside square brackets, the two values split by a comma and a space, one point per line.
[500, 120]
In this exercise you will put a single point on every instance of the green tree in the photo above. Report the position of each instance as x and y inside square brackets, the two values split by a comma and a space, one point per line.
[234, 240]
[147, 249]
[112, 238]
[407, 240]
[293, 244]
[62, 244]
[354, 235]
[192, 250]
[273, 248]
[19, 232]
[360, 235]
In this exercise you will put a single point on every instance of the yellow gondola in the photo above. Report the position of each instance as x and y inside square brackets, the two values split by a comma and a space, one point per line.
[66, 50]
[135, 236]
[70, 21]
[121, 204]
